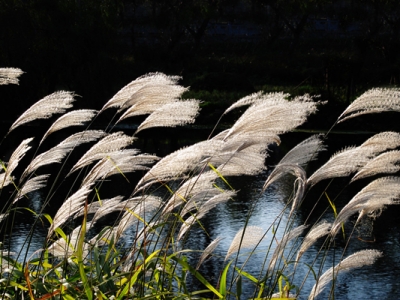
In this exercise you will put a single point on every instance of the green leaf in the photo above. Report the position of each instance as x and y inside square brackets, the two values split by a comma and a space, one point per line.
[79, 254]
[195, 273]
[222, 284]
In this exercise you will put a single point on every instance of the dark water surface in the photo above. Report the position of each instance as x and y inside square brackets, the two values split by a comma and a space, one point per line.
[379, 281]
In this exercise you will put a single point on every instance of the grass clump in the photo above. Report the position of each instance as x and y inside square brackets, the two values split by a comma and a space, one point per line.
[86, 253]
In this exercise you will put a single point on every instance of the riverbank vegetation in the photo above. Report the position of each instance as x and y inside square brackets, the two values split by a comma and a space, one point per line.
[103, 241]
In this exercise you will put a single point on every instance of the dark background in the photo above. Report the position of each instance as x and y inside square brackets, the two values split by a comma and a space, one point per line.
[223, 49]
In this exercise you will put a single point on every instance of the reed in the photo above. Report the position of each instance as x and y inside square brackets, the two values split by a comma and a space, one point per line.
[86, 254]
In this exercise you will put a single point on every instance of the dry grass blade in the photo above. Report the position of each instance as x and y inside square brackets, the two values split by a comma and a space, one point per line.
[102, 148]
[245, 238]
[373, 101]
[69, 208]
[10, 75]
[31, 185]
[318, 231]
[173, 114]
[356, 260]
[123, 95]
[387, 162]
[372, 198]
[207, 252]
[56, 103]
[73, 118]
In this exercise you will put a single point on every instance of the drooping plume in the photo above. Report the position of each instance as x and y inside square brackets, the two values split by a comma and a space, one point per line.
[278, 252]
[356, 260]
[350, 160]
[172, 114]
[203, 208]
[245, 238]
[126, 93]
[273, 116]
[373, 101]
[119, 162]
[149, 98]
[10, 75]
[31, 185]
[18, 154]
[70, 208]
[111, 143]
[73, 118]
[319, 230]
[207, 252]
[56, 103]
[58, 152]
[374, 197]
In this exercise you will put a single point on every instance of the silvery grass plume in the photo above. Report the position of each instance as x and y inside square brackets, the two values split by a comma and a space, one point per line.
[10, 75]
[241, 156]
[317, 231]
[199, 198]
[373, 101]
[3, 216]
[135, 210]
[123, 95]
[58, 152]
[293, 163]
[178, 164]
[31, 185]
[16, 156]
[282, 244]
[111, 143]
[102, 208]
[195, 185]
[56, 103]
[66, 248]
[247, 237]
[273, 116]
[149, 98]
[371, 199]
[258, 97]
[208, 251]
[203, 209]
[119, 162]
[299, 185]
[356, 260]
[70, 208]
[73, 118]
[172, 114]
[350, 160]
[387, 162]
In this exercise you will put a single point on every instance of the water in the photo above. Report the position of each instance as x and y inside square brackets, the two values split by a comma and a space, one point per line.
[373, 282]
